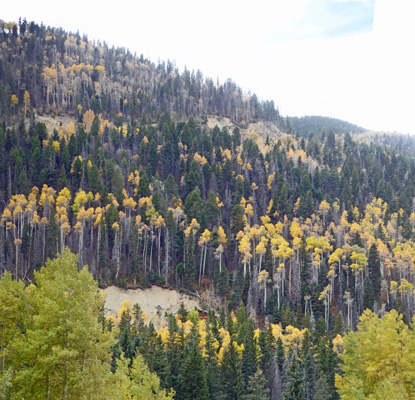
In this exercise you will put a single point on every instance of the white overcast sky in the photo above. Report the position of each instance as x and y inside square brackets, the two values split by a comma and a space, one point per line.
[347, 59]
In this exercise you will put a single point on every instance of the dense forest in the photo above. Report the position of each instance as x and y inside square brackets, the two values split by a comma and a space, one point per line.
[299, 235]
[307, 125]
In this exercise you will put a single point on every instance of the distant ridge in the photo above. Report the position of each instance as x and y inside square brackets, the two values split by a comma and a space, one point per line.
[306, 125]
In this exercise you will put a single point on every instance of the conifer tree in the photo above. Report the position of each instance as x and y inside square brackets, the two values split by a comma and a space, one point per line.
[373, 264]
[212, 371]
[294, 388]
[193, 382]
[231, 383]
[257, 387]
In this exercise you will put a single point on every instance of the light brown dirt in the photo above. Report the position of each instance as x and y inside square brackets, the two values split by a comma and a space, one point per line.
[54, 122]
[150, 300]
[262, 128]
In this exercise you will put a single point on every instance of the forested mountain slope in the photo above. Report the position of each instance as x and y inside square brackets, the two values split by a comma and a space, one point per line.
[307, 125]
[142, 193]
[302, 231]
[66, 73]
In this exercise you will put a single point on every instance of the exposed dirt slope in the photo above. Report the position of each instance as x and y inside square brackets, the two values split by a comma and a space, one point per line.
[150, 300]
[262, 128]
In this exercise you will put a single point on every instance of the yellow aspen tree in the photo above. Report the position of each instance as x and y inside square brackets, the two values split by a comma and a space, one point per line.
[222, 240]
[249, 212]
[97, 223]
[325, 295]
[324, 209]
[117, 247]
[203, 242]
[50, 77]
[81, 198]
[262, 280]
[261, 250]
[88, 118]
[244, 248]
[359, 264]
[81, 217]
[159, 225]
[26, 100]
[130, 204]
[14, 100]
[378, 359]
[406, 289]
[335, 259]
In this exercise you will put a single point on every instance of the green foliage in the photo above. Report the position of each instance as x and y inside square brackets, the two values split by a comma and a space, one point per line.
[194, 385]
[144, 384]
[257, 387]
[146, 157]
[63, 352]
[378, 360]
[15, 309]
[294, 389]
[231, 374]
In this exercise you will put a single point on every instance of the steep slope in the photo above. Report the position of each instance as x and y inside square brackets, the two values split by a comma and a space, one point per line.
[65, 73]
[191, 188]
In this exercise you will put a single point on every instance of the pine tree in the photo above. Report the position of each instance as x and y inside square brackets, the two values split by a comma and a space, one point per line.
[62, 181]
[231, 382]
[249, 356]
[193, 383]
[294, 389]
[373, 264]
[192, 178]
[327, 367]
[212, 371]
[152, 350]
[257, 387]
[280, 355]
[308, 366]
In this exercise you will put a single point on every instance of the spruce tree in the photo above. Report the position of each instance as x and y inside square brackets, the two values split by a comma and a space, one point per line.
[257, 387]
[308, 366]
[373, 264]
[231, 380]
[193, 382]
[326, 367]
[294, 388]
[212, 370]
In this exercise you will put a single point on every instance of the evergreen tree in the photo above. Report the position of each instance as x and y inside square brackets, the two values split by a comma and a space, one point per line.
[327, 367]
[193, 381]
[232, 385]
[308, 366]
[294, 389]
[212, 371]
[192, 178]
[373, 264]
[257, 387]
[193, 206]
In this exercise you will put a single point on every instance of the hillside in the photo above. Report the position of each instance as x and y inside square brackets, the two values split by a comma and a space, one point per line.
[307, 125]
[65, 73]
[147, 194]
[153, 176]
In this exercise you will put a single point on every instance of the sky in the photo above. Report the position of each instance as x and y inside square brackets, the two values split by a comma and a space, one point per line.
[347, 59]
